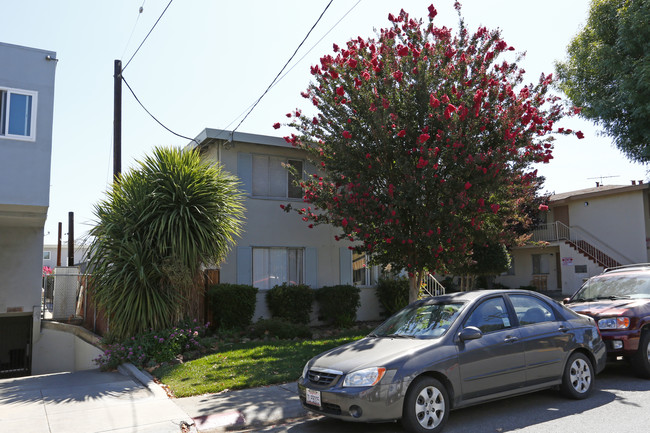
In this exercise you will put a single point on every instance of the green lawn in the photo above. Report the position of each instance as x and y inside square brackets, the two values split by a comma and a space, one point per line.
[246, 365]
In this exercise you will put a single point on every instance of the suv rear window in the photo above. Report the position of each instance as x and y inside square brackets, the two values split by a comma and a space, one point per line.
[613, 286]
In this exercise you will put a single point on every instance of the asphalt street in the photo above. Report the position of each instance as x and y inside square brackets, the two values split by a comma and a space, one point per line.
[619, 403]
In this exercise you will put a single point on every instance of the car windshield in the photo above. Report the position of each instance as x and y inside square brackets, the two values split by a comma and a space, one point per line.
[420, 320]
[614, 287]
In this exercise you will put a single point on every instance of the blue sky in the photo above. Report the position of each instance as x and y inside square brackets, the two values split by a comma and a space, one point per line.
[207, 62]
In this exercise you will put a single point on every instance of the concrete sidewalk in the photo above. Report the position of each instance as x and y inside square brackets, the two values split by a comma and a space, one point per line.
[243, 409]
[89, 402]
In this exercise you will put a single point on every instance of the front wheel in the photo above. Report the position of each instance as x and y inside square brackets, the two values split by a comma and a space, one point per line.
[578, 377]
[641, 359]
[426, 406]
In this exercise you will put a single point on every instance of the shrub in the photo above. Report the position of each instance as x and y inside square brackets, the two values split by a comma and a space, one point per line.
[233, 305]
[292, 302]
[153, 347]
[339, 304]
[278, 328]
[393, 294]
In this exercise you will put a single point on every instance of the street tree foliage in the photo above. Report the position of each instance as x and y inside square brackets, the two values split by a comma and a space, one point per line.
[424, 140]
[164, 219]
[607, 73]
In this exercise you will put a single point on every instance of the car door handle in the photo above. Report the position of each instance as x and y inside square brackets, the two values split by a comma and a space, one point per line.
[563, 329]
[510, 339]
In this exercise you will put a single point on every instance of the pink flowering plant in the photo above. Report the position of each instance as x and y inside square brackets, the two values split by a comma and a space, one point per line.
[424, 140]
[154, 347]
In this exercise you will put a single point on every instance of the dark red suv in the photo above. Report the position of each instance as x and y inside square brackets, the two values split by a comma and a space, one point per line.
[619, 301]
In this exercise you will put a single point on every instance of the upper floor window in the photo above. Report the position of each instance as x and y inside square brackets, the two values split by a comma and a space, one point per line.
[18, 114]
[272, 179]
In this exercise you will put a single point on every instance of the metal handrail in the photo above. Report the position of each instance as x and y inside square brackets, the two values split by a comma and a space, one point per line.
[559, 231]
[432, 287]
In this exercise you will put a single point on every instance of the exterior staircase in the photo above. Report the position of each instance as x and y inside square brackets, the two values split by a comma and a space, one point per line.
[431, 287]
[557, 232]
[593, 253]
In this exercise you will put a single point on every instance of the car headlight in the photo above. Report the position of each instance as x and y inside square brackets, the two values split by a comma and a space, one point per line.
[614, 323]
[365, 377]
[305, 371]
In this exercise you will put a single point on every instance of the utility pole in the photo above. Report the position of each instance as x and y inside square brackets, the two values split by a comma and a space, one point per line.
[117, 121]
[70, 238]
[58, 247]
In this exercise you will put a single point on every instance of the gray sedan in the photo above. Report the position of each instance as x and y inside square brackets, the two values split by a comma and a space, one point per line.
[453, 351]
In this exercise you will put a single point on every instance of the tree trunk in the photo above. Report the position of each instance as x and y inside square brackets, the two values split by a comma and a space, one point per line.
[467, 283]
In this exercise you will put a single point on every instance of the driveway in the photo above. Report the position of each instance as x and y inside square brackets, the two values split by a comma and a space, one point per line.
[86, 401]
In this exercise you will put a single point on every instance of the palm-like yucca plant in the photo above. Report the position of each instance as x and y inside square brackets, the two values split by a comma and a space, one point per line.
[164, 219]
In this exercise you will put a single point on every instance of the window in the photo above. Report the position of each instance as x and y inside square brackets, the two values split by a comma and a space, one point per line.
[490, 316]
[46, 255]
[362, 272]
[273, 266]
[295, 191]
[272, 179]
[531, 310]
[540, 264]
[581, 269]
[17, 114]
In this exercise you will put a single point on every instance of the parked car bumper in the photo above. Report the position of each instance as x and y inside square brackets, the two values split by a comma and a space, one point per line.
[382, 402]
[621, 343]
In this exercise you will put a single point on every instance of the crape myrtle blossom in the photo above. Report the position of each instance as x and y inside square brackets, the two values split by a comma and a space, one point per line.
[425, 139]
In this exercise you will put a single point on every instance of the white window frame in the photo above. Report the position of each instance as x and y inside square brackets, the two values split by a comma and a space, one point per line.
[47, 255]
[265, 268]
[5, 110]
[370, 272]
[270, 172]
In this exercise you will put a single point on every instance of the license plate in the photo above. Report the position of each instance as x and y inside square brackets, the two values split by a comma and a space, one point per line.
[313, 397]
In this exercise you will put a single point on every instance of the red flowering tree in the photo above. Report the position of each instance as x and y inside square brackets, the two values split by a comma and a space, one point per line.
[425, 141]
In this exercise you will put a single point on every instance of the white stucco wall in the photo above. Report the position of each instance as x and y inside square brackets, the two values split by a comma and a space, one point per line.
[267, 225]
[524, 268]
[616, 221]
[21, 269]
[571, 281]
[60, 348]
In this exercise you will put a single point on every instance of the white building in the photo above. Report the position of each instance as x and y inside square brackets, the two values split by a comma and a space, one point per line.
[277, 246]
[586, 231]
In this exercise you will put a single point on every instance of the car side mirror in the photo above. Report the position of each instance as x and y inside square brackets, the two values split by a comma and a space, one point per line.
[565, 301]
[470, 333]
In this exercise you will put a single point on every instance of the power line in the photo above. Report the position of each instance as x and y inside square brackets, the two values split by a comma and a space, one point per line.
[292, 67]
[145, 38]
[319, 41]
[154, 117]
[282, 70]
[134, 27]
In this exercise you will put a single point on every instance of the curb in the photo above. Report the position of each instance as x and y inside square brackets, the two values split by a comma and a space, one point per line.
[144, 378]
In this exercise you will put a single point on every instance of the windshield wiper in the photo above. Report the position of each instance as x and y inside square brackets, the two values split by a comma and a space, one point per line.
[399, 336]
[582, 300]
[613, 297]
